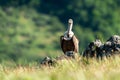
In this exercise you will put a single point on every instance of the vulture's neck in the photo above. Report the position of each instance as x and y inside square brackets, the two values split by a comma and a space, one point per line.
[69, 34]
[69, 27]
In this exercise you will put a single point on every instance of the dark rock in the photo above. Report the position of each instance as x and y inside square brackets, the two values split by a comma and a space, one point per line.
[47, 61]
[112, 46]
[94, 50]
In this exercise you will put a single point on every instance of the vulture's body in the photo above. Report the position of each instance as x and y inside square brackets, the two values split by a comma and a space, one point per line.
[69, 42]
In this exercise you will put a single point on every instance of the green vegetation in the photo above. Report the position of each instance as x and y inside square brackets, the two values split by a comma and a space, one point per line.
[30, 29]
[65, 70]
[26, 35]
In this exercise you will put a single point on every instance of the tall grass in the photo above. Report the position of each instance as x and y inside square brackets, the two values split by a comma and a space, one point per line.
[65, 70]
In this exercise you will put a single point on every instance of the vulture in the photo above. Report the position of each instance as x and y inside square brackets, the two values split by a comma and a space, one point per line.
[69, 42]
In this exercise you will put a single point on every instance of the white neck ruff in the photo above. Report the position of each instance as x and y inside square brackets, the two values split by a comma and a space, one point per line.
[70, 35]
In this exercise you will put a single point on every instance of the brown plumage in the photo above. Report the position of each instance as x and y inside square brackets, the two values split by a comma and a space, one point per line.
[69, 42]
[69, 45]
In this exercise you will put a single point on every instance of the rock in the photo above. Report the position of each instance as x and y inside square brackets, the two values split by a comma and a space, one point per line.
[97, 43]
[90, 51]
[94, 50]
[112, 45]
[114, 39]
[47, 61]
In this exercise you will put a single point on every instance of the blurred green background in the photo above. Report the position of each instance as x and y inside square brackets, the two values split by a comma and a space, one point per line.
[30, 29]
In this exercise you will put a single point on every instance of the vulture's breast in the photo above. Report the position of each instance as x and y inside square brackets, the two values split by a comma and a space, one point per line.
[68, 45]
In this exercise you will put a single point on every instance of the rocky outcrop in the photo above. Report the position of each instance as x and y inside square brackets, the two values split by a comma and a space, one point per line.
[97, 49]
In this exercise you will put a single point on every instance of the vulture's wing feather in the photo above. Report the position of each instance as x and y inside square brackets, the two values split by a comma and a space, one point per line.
[76, 42]
[62, 43]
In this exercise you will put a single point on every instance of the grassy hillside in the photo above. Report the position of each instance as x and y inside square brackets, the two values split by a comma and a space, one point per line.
[30, 29]
[27, 34]
[65, 70]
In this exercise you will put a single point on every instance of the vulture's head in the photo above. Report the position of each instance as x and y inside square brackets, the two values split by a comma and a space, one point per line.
[70, 21]
[70, 25]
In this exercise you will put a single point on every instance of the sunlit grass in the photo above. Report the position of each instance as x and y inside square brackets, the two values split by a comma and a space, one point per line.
[64, 70]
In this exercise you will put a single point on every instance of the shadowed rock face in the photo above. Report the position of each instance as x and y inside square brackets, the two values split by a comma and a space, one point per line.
[112, 46]
[99, 50]
[94, 50]
[47, 61]
[89, 51]
[115, 39]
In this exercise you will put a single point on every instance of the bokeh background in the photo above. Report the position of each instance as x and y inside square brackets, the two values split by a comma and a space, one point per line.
[30, 29]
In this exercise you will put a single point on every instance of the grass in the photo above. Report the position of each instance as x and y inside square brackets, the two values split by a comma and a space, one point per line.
[65, 70]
